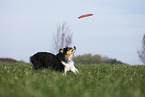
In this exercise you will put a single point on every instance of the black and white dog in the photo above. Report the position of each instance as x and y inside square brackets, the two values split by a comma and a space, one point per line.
[60, 62]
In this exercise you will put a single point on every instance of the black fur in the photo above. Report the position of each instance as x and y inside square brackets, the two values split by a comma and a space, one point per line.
[48, 60]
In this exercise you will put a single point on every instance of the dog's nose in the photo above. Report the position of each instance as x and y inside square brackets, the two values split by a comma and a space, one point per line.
[74, 47]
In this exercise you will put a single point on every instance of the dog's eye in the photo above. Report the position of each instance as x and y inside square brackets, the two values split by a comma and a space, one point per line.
[69, 48]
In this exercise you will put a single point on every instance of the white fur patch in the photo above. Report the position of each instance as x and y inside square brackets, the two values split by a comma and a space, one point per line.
[69, 66]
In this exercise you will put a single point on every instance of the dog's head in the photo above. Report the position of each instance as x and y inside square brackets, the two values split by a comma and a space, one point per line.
[68, 51]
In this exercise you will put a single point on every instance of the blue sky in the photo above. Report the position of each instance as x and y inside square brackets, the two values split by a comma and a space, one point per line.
[115, 30]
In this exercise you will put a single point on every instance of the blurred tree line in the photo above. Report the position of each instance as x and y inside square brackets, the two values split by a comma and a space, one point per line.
[95, 59]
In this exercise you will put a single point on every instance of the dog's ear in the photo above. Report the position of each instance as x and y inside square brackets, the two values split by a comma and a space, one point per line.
[61, 50]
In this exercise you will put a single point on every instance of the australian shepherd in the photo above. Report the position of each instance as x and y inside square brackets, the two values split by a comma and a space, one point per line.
[61, 62]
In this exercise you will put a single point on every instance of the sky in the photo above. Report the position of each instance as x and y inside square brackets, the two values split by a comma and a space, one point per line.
[115, 30]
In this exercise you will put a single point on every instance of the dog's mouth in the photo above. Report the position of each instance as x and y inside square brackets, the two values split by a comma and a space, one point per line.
[73, 50]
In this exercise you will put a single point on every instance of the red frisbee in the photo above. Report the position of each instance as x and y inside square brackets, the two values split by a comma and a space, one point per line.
[86, 15]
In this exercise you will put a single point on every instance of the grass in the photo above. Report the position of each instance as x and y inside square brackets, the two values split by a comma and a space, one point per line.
[104, 80]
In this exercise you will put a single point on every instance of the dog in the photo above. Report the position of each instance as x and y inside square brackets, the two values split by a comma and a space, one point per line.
[69, 64]
[61, 62]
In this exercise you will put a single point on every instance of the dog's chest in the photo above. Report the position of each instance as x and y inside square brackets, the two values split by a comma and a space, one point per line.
[70, 65]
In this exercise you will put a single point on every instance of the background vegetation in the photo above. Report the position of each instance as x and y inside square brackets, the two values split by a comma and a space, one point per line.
[9, 60]
[103, 80]
[62, 38]
[95, 59]
[141, 53]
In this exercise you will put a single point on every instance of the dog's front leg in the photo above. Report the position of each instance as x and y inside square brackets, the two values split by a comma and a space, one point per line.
[65, 71]
[77, 70]
[74, 70]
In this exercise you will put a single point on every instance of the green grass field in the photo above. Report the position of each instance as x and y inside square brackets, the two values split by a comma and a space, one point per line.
[104, 80]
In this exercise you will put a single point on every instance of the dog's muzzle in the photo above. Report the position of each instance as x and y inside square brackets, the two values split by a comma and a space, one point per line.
[74, 49]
